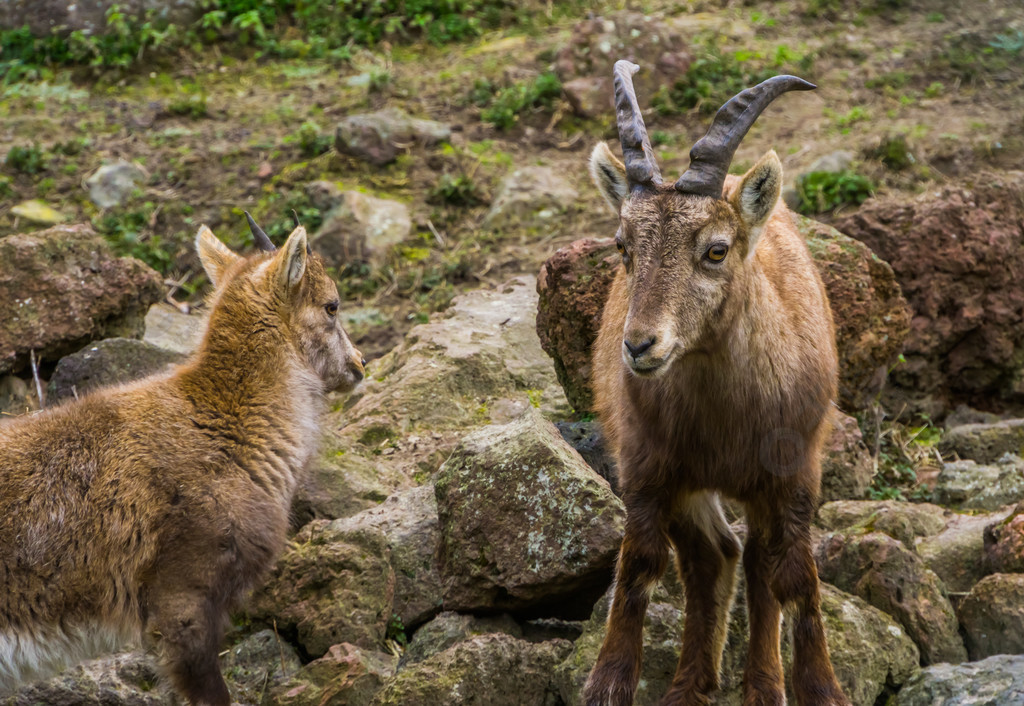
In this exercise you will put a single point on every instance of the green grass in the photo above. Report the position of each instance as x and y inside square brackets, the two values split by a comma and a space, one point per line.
[504, 106]
[825, 191]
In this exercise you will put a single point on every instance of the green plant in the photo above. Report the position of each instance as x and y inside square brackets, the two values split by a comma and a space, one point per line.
[396, 630]
[130, 233]
[26, 160]
[458, 190]
[504, 109]
[894, 153]
[824, 191]
[311, 142]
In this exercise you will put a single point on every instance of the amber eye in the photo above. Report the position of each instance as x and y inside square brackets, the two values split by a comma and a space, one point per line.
[621, 247]
[716, 253]
[331, 309]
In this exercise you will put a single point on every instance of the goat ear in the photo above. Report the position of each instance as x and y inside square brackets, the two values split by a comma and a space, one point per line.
[291, 261]
[757, 195]
[609, 174]
[216, 257]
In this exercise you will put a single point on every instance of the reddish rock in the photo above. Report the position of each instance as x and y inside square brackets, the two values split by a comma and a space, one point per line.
[63, 287]
[846, 466]
[992, 616]
[1004, 544]
[958, 254]
[870, 313]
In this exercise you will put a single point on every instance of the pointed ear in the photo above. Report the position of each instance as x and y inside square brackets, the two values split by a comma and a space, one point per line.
[757, 195]
[609, 175]
[216, 257]
[291, 261]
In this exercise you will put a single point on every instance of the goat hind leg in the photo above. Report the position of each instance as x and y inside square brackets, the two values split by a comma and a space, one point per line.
[763, 683]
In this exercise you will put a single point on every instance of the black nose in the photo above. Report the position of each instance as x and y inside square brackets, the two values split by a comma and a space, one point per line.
[639, 348]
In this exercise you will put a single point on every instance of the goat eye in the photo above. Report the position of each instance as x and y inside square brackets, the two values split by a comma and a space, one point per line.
[716, 253]
[331, 309]
[621, 247]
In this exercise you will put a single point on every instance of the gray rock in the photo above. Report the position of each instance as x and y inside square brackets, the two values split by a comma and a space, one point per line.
[956, 554]
[524, 521]
[346, 675]
[833, 162]
[586, 438]
[450, 628]
[994, 681]
[129, 679]
[903, 521]
[530, 197]
[992, 616]
[589, 96]
[108, 362]
[361, 228]
[111, 184]
[846, 467]
[342, 483]
[258, 663]
[378, 137]
[970, 486]
[985, 443]
[171, 329]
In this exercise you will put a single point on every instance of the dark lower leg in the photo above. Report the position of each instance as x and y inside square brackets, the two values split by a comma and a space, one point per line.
[762, 678]
[187, 639]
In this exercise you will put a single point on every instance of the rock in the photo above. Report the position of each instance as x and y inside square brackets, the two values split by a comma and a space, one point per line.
[38, 212]
[956, 554]
[525, 523]
[498, 670]
[957, 253]
[377, 137]
[346, 675]
[992, 681]
[585, 61]
[992, 616]
[968, 415]
[903, 521]
[16, 396]
[586, 438]
[63, 287]
[257, 664]
[969, 486]
[329, 587]
[870, 313]
[846, 466]
[530, 197]
[985, 443]
[169, 328]
[895, 580]
[128, 679]
[408, 521]
[450, 628]
[361, 228]
[342, 483]
[1004, 543]
[44, 17]
[111, 184]
[833, 162]
[109, 362]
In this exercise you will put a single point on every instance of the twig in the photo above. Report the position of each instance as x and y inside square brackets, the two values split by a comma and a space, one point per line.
[35, 377]
[438, 236]
[280, 648]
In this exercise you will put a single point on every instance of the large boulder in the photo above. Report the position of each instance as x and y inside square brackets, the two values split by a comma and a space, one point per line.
[903, 521]
[957, 253]
[450, 628]
[992, 616]
[109, 362]
[967, 485]
[991, 682]
[63, 287]
[525, 523]
[870, 313]
[361, 228]
[378, 137]
[895, 580]
[127, 679]
[172, 329]
[346, 675]
[257, 664]
[956, 554]
[531, 197]
[985, 443]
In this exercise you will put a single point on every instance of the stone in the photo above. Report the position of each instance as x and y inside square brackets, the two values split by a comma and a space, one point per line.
[257, 664]
[378, 137]
[346, 675]
[525, 523]
[450, 628]
[329, 587]
[870, 313]
[61, 17]
[967, 485]
[127, 679]
[903, 521]
[170, 328]
[361, 228]
[833, 162]
[990, 682]
[992, 616]
[342, 483]
[589, 96]
[532, 196]
[111, 184]
[895, 580]
[956, 554]
[1004, 543]
[496, 669]
[38, 212]
[957, 254]
[109, 362]
[586, 438]
[846, 465]
[984, 443]
[63, 287]
[17, 396]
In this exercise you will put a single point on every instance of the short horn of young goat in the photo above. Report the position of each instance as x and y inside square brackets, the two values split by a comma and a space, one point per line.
[712, 154]
[641, 168]
[261, 239]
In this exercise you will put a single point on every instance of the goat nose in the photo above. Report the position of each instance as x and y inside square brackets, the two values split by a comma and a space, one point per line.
[638, 349]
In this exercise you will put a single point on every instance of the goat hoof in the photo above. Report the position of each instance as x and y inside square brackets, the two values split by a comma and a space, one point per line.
[608, 686]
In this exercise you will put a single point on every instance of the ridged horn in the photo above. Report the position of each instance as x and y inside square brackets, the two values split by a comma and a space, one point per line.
[712, 154]
[641, 168]
[258, 236]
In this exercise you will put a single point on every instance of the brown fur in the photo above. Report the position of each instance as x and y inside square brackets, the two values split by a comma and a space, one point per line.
[149, 510]
[731, 396]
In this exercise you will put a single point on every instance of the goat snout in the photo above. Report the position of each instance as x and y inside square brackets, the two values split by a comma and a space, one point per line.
[643, 355]
[638, 349]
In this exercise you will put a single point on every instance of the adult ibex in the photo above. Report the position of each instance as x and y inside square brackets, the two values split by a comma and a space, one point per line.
[714, 370]
[145, 512]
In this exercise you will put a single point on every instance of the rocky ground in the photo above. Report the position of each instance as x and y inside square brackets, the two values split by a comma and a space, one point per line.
[455, 540]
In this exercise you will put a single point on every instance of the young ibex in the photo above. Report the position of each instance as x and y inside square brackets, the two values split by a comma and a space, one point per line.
[714, 369]
[147, 511]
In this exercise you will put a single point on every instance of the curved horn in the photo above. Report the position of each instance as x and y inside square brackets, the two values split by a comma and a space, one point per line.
[258, 236]
[711, 155]
[641, 169]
